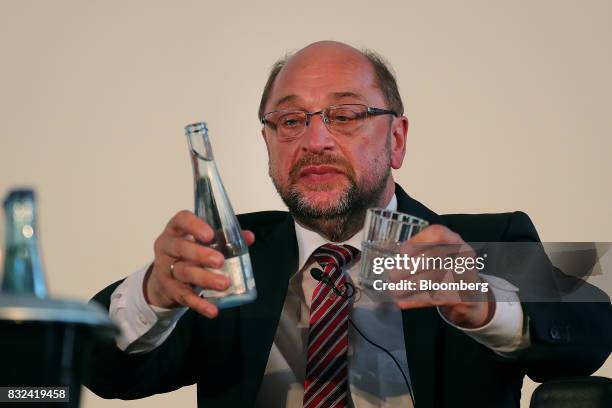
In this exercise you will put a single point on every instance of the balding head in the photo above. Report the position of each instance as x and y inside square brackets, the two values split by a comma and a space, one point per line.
[326, 49]
[332, 54]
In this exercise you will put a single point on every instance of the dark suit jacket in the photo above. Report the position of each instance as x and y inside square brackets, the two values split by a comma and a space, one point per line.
[227, 356]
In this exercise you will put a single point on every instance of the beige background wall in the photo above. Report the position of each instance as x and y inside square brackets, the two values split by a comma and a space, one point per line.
[509, 105]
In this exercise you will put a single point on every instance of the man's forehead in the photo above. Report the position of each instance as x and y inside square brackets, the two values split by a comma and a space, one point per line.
[320, 63]
[295, 99]
[324, 77]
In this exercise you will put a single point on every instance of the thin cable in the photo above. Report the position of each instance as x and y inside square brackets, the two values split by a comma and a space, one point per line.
[389, 354]
[318, 275]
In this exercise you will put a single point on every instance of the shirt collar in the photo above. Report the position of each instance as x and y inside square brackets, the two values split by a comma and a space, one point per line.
[308, 241]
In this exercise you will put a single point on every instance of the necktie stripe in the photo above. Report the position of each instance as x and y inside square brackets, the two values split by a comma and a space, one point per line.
[336, 394]
[320, 301]
[336, 275]
[347, 252]
[326, 342]
[315, 387]
[339, 256]
[322, 310]
[327, 331]
[334, 377]
[327, 356]
[318, 386]
[326, 381]
[325, 259]
[320, 286]
[318, 327]
[319, 296]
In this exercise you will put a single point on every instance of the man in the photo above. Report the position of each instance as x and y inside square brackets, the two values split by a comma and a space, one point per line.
[265, 353]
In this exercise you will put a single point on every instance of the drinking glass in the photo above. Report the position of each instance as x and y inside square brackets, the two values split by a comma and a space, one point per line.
[383, 233]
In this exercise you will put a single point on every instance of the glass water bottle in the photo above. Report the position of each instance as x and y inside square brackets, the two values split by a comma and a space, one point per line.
[213, 206]
[23, 273]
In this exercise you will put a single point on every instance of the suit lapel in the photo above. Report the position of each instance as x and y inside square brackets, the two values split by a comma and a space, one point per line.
[421, 326]
[409, 205]
[274, 257]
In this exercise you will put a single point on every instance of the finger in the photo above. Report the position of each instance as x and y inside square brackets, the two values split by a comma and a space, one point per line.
[409, 303]
[185, 222]
[248, 236]
[436, 234]
[201, 305]
[433, 275]
[195, 275]
[423, 299]
[184, 249]
[433, 281]
[184, 295]
[437, 249]
[414, 301]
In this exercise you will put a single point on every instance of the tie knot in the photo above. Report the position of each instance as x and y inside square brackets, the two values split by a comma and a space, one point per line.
[336, 255]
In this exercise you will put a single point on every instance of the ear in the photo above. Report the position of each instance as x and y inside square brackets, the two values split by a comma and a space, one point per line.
[399, 134]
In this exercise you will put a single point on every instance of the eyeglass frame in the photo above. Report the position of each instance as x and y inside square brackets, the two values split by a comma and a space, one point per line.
[370, 111]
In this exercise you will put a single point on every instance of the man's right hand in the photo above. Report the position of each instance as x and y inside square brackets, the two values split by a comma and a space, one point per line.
[181, 263]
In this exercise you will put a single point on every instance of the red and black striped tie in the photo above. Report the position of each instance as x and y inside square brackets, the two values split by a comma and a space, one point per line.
[326, 382]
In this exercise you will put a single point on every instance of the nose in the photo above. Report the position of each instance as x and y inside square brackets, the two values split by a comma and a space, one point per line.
[316, 137]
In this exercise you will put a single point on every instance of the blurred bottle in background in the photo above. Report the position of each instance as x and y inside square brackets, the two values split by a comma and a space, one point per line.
[23, 272]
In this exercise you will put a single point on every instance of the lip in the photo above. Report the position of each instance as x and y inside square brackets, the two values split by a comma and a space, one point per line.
[319, 171]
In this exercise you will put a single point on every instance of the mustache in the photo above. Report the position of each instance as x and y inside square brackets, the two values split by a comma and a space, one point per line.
[318, 159]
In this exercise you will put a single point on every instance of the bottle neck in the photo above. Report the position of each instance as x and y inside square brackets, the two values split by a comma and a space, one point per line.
[199, 144]
[20, 215]
[23, 272]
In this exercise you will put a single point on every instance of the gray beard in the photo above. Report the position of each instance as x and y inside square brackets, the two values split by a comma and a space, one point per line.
[340, 222]
[343, 220]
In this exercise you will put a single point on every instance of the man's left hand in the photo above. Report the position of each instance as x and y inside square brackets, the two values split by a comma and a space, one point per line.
[466, 309]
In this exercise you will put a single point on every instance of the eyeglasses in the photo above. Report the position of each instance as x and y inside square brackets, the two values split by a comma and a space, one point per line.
[340, 119]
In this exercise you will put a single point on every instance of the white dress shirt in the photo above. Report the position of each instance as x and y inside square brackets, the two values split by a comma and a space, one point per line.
[374, 379]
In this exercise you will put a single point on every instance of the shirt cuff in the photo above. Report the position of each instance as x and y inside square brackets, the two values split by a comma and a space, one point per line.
[506, 332]
[143, 326]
